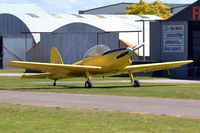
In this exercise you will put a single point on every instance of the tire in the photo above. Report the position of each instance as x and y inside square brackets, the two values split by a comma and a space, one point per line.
[88, 84]
[54, 83]
[136, 83]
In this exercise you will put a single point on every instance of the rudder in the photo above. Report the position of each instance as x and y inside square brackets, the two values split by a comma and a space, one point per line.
[55, 56]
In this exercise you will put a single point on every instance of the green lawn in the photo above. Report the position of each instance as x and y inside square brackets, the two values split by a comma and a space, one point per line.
[33, 119]
[176, 91]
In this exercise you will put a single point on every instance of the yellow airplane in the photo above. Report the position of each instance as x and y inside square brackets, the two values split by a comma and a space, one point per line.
[98, 60]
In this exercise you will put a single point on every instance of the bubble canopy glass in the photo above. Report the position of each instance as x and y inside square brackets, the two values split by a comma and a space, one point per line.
[96, 50]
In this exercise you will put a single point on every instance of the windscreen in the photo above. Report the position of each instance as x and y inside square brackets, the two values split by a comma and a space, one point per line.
[96, 50]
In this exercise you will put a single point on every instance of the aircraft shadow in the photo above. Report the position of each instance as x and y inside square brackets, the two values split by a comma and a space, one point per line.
[113, 87]
[65, 87]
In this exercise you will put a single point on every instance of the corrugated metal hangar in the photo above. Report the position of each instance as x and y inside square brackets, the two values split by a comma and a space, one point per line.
[28, 33]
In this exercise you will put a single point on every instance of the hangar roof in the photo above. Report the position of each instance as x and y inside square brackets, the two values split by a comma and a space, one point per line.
[38, 20]
[27, 9]
[171, 5]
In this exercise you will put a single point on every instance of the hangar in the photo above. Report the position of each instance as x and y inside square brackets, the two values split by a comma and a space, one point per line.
[27, 33]
[89, 30]
[178, 38]
[15, 20]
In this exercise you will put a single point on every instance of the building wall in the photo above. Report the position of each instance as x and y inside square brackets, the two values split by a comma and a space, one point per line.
[169, 42]
[174, 44]
[155, 41]
[73, 40]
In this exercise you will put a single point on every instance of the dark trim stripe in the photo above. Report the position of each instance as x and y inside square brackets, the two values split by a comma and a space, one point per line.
[114, 50]
[122, 55]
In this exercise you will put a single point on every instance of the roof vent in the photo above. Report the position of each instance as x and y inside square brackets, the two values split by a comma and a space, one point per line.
[143, 17]
[33, 15]
[122, 17]
[100, 16]
[78, 16]
[56, 15]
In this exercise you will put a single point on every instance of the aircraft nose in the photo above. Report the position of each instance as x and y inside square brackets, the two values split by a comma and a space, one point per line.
[128, 50]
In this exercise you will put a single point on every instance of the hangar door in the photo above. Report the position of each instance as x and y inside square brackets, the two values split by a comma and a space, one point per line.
[15, 48]
[195, 51]
[194, 47]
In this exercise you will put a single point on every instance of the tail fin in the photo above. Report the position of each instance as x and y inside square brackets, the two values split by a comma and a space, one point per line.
[55, 56]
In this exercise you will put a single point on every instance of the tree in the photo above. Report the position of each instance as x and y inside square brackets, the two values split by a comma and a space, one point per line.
[155, 8]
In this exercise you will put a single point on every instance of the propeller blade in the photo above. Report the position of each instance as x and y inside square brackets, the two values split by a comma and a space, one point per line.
[128, 49]
[137, 47]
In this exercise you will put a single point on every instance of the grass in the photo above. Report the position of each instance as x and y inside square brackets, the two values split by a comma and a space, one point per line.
[174, 91]
[33, 119]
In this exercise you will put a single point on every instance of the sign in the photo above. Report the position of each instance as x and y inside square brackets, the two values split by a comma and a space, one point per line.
[196, 13]
[173, 38]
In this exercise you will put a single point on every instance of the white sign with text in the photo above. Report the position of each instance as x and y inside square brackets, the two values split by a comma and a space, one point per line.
[173, 38]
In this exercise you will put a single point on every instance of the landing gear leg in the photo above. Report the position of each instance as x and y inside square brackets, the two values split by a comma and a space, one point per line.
[54, 83]
[135, 83]
[88, 83]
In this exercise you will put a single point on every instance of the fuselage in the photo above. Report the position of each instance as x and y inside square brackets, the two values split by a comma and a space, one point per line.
[111, 61]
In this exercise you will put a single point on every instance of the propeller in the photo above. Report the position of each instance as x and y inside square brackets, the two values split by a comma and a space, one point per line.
[128, 49]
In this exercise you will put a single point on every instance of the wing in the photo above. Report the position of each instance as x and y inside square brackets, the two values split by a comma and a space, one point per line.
[156, 66]
[62, 69]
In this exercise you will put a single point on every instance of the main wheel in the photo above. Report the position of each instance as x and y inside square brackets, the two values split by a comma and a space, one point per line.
[136, 83]
[54, 83]
[88, 84]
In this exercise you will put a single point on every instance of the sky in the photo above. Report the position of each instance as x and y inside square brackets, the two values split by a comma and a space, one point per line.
[73, 6]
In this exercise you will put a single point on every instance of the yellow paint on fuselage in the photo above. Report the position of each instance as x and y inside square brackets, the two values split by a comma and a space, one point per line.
[108, 62]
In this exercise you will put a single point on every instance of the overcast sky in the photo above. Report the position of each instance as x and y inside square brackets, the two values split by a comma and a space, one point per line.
[73, 6]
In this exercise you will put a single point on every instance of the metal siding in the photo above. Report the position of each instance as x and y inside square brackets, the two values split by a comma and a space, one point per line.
[11, 25]
[71, 47]
[109, 39]
[14, 48]
[34, 54]
[116, 9]
[178, 9]
[74, 40]
[155, 47]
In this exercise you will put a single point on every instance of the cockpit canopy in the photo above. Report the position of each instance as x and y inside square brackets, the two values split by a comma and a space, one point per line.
[96, 50]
